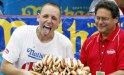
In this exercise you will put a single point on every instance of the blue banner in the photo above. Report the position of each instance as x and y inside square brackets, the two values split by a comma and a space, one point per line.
[32, 7]
[77, 29]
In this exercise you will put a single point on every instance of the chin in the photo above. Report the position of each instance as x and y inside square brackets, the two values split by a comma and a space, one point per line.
[101, 31]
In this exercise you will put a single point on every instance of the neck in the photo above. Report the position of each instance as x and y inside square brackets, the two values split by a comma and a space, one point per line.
[104, 36]
[43, 38]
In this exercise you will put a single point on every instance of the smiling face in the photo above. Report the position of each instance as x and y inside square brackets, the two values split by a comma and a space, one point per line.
[49, 19]
[104, 21]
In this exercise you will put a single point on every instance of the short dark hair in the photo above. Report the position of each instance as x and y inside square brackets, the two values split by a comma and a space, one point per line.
[109, 5]
[52, 4]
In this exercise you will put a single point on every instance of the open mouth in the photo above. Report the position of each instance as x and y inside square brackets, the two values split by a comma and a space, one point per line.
[46, 30]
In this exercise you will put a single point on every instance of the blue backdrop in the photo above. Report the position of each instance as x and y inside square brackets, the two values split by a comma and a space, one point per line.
[77, 29]
[32, 7]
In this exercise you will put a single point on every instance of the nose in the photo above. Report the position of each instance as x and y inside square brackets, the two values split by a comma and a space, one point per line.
[49, 20]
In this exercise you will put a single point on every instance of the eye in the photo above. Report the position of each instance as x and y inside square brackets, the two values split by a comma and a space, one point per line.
[102, 18]
[45, 16]
[97, 18]
[105, 18]
[54, 18]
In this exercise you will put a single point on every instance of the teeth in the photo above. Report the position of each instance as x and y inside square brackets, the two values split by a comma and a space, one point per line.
[47, 26]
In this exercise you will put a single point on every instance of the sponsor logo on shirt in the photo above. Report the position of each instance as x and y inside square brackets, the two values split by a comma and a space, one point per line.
[6, 51]
[111, 51]
[35, 55]
[27, 66]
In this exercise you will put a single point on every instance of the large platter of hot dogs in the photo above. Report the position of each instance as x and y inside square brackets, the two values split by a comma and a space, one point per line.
[51, 65]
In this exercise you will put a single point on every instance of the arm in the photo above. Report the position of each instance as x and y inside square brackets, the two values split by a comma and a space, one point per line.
[120, 66]
[83, 54]
[8, 69]
[119, 72]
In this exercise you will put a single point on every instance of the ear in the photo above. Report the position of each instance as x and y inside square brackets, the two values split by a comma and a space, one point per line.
[116, 19]
[60, 21]
[38, 17]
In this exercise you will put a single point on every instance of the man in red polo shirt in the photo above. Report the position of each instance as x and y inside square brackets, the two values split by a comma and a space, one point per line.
[104, 51]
